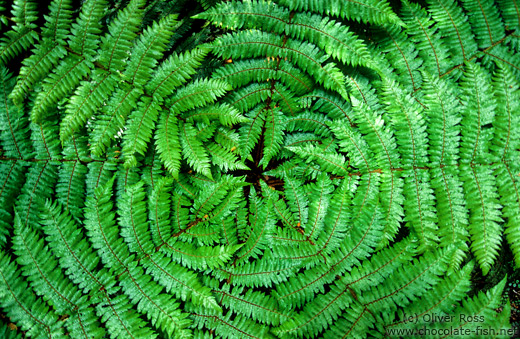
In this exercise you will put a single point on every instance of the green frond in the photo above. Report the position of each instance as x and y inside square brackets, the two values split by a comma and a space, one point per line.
[30, 313]
[45, 145]
[197, 94]
[477, 114]
[103, 233]
[11, 177]
[454, 28]
[175, 71]
[14, 125]
[368, 11]
[443, 121]
[273, 136]
[15, 41]
[111, 120]
[506, 124]
[40, 268]
[508, 184]
[509, 11]
[330, 36]
[419, 207]
[65, 77]
[225, 159]
[167, 143]
[231, 326]
[255, 305]
[58, 22]
[358, 245]
[147, 50]
[24, 12]
[139, 129]
[84, 38]
[40, 180]
[87, 99]
[485, 21]
[452, 213]
[70, 189]
[193, 150]
[121, 33]
[377, 132]
[242, 72]
[309, 122]
[353, 144]
[35, 67]
[133, 220]
[203, 257]
[447, 294]
[303, 54]
[482, 307]
[406, 116]
[423, 30]
[401, 53]
[259, 169]
[328, 161]
[485, 217]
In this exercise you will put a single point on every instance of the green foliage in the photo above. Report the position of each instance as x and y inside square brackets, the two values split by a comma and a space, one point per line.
[264, 169]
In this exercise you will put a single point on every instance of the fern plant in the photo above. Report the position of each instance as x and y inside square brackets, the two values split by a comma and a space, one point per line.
[264, 169]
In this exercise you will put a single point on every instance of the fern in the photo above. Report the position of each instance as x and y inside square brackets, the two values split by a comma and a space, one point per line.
[263, 169]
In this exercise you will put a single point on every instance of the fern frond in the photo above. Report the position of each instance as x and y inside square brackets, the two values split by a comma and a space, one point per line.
[40, 267]
[70, 189]
[89, 96]
[231, 325]
[485, 217]
[408, 121]
[509, 10]
[333, 38]
[138, 131]
[112, 118]
[452, 213]
[447, 294]
[443, 119]
[159, 308]
[485, 22]
[454, 28]
[147, 50]
[58, 21]
[35, 67]
[11, 177]
[419, 205]
[273, 136]
[242, 72]
[331, 162]
[167, 143]
[59, 83]
[121, 33]
[304, 55]
[84, 32]
[506, 124]
[479, 111]
[422, 29]
[401, 58]
[22, 307]
[14, 125]
[175, 71]
[193, 150]
[24, 12]
[483, 307]
[15, 42]
[508, 184]
[368, 11]
[359, 244]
